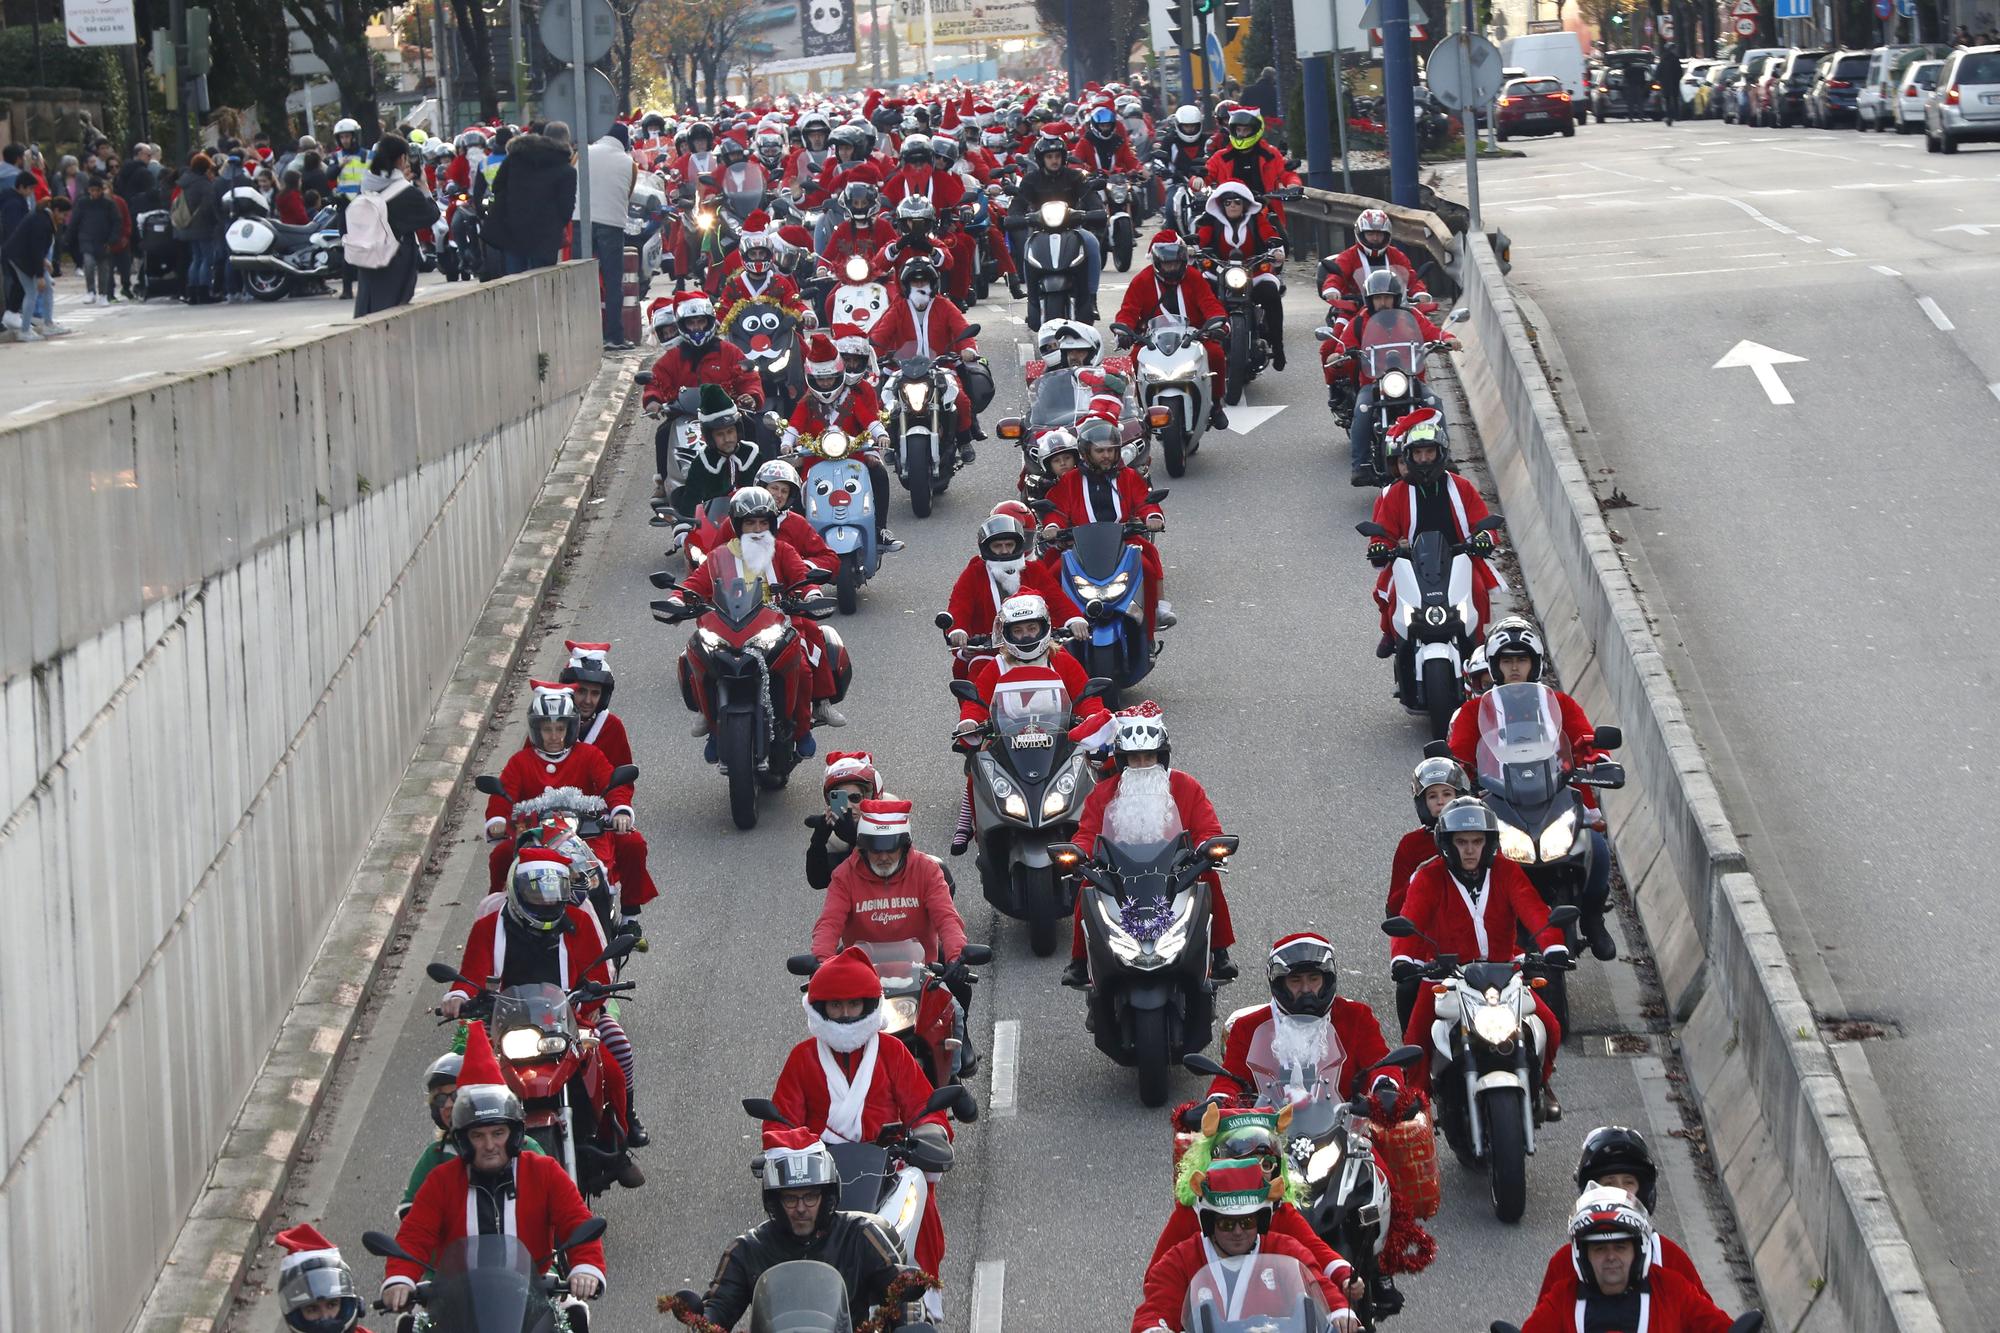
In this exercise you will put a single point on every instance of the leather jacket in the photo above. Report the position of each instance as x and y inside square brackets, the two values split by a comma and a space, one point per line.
[853, 1243]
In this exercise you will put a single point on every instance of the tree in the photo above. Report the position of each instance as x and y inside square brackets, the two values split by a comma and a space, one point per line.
[1102, 36]
[253, 63]
[338, 34]
[694, 40]
[475, 39]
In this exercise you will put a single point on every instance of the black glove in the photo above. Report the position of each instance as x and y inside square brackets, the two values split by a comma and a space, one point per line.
[818, 824]
[1380, 553]
[1387, 1094]
[1406, 969]
[1482, 543]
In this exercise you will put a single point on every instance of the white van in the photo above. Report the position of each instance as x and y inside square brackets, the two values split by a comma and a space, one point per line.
[1557, 55]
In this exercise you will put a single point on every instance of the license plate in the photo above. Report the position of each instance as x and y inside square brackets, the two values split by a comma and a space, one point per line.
[1034, 740]
[1990, 98]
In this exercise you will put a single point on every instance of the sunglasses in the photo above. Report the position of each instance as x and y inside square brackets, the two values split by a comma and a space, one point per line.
[1235, 1224]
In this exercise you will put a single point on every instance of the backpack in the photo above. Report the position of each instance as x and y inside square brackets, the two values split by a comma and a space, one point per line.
[370, 242]
[182, 215]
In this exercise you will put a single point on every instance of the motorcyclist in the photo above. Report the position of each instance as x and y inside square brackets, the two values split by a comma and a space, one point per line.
[1170, 286]
[915, 220]
[1307, 1022]
[751, 272]
[781, 479]
[1105, 490]
[491, 1188]
[803, 1220]
[851, 778]
[1000, 569]
[440, 1089]
[588, 674]
[846, 1084]
[1436, 783]
[1514, 651]
[1611, 1280]
[920, 175]
[1618, 1157]
[923, 322]
[553, 756]
[1429, 498]
[726, 459]
[1051, 177]
[862, 230]
[698, 357]
[1235, 1201]
[1058, 454]
[1147, 792]
[1237, 228]
[1473, 902]
[316, 1288]
[1104, 149]
[1384, 292]
[1182, 151]
[1374, 250]
[803, 163]
[832, 400]
[700, 157]
[1250, 159]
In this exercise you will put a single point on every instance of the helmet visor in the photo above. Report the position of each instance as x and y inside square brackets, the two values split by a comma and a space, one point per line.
[542, 891]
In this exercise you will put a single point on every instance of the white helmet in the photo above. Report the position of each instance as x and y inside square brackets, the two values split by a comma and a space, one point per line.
[1063, 335]
[1013, 628]
[1054, 442]
[779, 470]
[1141, 729]
[1373, 220]
[1187, 124]
[346, 125]
[1605, 1212]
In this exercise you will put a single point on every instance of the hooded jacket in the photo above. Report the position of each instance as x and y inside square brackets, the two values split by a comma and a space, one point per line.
[534, 195]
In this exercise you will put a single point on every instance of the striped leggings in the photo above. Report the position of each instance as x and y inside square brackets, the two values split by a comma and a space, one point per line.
[614, 1039]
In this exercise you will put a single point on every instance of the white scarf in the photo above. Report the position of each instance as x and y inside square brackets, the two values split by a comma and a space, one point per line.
[845, 1098]
[1143, 807]
[1005, 576]
[1232, 1273]
[760, 554]
[1117, 513]
[1475, 904]
[1298, 1044]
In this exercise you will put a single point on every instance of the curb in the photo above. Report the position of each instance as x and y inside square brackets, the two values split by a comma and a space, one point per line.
[205, 1267]
[1804, 1185]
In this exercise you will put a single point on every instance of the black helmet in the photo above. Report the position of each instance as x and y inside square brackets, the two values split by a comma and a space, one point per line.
[1046, 144]
[1094, 432]
[916, 151]
[860, 200]
[1382, 282]
[1304, 952]
[701, 129]
[916, 217]
[487, 1104]
[918, 271]
[1514, 635]
[1467, 814]
[1610, 1148]
[854, 136]
[442, 1073]
[753, 502]
[885, 120]
[733, 151]
[1170, 256]
[1437, 771]
[312, 1277]
[589, 666]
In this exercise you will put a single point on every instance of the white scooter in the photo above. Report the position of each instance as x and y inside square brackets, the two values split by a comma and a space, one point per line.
[1170, 377]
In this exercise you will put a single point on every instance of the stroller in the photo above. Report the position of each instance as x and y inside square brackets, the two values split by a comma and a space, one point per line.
[162, 261]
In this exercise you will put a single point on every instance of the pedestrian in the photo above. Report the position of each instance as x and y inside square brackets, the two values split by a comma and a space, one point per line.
[409, 211]
[290, 205]
[532, 197]
[1667, 73]
[193, 216]
[612, 174]
[312, 173]
[27, 258]
[94, 227]
[10, 166]
[37, 167]
[121, 249]
[69, 178]
[16, 203]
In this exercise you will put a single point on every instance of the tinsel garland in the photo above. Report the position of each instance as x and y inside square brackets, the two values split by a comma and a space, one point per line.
[1408, 1248]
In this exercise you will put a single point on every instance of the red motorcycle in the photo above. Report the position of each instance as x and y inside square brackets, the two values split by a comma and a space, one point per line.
[525, 822]
[916, 999]
[556, 1065]
[743, 668]
[552, 820]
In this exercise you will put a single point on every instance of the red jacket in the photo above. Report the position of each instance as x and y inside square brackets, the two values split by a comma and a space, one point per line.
[485, 954]
[945, 189]
[1069, 498]
[793, 531]
[546, 1209]
[1197, 812]
[529, 773]
[1396, 510]
[1667, 1255]
[1168, 1280]
[786, 564]
[1438, 908]
[973, 606]
[913, 904]
[1356, 1044]
[1257, 235]
[736, 287]
[887, 262]
[1090, 155]
[847, 240]
[857, 412]
[1672, 1305]
[1354, 268]
[1350, 338]
[607, 733]
[721, 362]
[987, 673]
[1464, 738]
[1418, 846]
[1286, 1221]
[944, 324]
[835, 175]
[1194, 300]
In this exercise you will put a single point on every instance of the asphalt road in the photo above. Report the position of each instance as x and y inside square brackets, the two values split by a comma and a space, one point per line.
[1817, 556]
[1274, 699]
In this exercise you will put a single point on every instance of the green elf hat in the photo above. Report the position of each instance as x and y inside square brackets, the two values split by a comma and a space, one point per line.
[716, 404]
[1242, 1132]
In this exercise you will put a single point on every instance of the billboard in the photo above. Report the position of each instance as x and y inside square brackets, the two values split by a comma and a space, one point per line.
[963, 22]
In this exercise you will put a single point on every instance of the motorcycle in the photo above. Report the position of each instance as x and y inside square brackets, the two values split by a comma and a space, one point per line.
[1056, 266]
[1119, 208]
[1284, 1298]
[645, 226]
[1749, 1322]
[1058, 396]
[1106, 576]
[1170, 373]
[739, 670]
[858, 297]
[1330, 1143]
[840, 504]
[1435, 618]
[978, 215]
[767, 335]
[1488, 1046]
[545, 820]
[1146, 922]
[802, 1294]
[278, 260]
[556, 1066]
[479, 1284]
[1249, 344]
[922, 403]
[462, 253]
[916, 1001]
[1029, 782]
[1391, 358]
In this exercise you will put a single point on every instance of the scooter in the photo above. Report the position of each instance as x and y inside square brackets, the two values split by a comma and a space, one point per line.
[1435, 618]
[277, 260]
[1487, 1072]
[858, 297]
[1170, 374]
[677, 439]
[767, 335]
[481, 1283]
[840, 504]
[739, 670]
[916, 1000]
[1285, 1297]
[1029, 782]
[556, 1065]
[1057, 268]
[802, 1294]
[1106, 576]
[1146, 923]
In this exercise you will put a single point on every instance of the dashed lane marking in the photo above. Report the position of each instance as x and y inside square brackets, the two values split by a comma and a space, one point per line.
[1937, 316]
[1006, 1064]
[1886, 271]
[1837, 251]
[989, 1287]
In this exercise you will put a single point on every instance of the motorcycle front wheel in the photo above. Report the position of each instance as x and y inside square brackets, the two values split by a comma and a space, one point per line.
[1173, 440]
[917, 476]
[1149, 1046]
[1507, 1151]
[1440, 696]
[738, 752]
[847, 583]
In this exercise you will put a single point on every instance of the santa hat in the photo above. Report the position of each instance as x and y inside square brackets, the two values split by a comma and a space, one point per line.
[304, 1247]
[1108, 406]
[1237, 1188]
[885, 819]
[850, 340]
[532, 856]
[1144, 708]
[822, 357]
[478, 1067]
[660, 315]
[1410, 421]
[795, 236]
[588, 656]
[851, 766]
[755, 228]
[789, 1140]
[1298, 937]
[848, 975]
[693, 305]
[1166, 236]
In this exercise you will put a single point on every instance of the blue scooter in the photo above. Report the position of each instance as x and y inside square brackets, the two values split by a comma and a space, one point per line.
[840, 505]
[1105, 576]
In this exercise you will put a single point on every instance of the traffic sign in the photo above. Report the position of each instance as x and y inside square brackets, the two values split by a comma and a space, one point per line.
[1793, 9]
[560, 95]
[600, 28]
[1745, 9]
[1746, 27]
[1445, 74]
[1907, 8]
[1884, 8]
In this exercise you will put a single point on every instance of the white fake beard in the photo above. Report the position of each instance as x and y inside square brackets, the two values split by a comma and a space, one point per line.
[1298, 1043]
[760, 551]
[1143, 809]
[1007, 574]
[843, 1038]
[920, 299]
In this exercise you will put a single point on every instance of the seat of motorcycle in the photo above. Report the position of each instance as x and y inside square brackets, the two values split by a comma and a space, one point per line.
[288, 232]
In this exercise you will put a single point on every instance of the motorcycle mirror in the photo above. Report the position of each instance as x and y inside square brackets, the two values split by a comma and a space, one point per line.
[643, 377]
[1323, 334]
[1750, 1321]
[1219, 848]
[383, 1246]
[623, 776]
[1491, 523]
[1369, 528]
[664, 612]
[1562, 918]
[1197, 1063]
[619, 948]
[1437, 750]
[1606, 774]
[802, 965]
[1608, 738]
[763, 1108]
[975, 955]
[942, 1099]
[1095, 686]
[943, 620]
[971, 331]
[1154, 497]
[1458, 316]
[490, 785]
[966, 690]
[1402, 1057]
[663, 580]
[1399, 928]
[445, 972]
[1042, 506]
[587, 1231]
[706, 179]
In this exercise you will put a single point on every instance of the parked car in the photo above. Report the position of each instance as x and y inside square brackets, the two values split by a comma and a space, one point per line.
[1539, 105]
[1965, 105]
[1912, 90]
[1692, 73]
[1785, 104]
[1760, 76]
[1717, 95]
[1875, 105]
[1612, 78]
[1836, 88]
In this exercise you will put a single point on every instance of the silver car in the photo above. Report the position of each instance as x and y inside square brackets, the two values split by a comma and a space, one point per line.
[1912, 90]
[1966, 102]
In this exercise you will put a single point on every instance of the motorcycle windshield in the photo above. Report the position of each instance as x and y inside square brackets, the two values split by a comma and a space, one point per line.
[800, 1296]
[1523, 754]
[744, 187]
[1098, 548]
[1390, 340]
[1060, 398]
[739, 594]
[1170, 333]
[864, 1170]
[1431, 559]
[486, 1283]
[1032, 719]
[1143, 844]
[899, 964]
[1257, 1293]
[1308, 1089]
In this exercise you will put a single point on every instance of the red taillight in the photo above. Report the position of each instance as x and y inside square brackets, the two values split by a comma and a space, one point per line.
[1838, 83]
[1951, 96]
[1560, 97]
[1913, 91]
[1506, 101]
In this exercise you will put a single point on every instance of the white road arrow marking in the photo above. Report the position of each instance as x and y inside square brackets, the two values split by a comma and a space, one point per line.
[1243, 418]
[1972, 228]
[1765, 362]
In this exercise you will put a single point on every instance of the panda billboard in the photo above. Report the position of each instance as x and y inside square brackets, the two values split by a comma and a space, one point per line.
[826, 31]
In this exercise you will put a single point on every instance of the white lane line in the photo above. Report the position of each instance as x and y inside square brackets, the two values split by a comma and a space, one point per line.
[1886, 271]
[210, 356]
[1696, 272]
[1806, 240]
[1993, 389]
[1026, 352]
[263, 341]
[1006, 1059]
[1707, 143]
[1937, 316]
[989, 1287]
[141, 375]
[38, 403]
[1835, 250]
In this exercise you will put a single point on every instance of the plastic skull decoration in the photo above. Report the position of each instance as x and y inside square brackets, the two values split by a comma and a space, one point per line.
[827, 16]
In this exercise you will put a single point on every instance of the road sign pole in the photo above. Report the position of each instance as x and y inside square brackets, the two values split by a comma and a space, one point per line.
[580, 129]
[1471, 104]
[1340, 106]
[1187, 60]
[1399, 79]
[1319, 145]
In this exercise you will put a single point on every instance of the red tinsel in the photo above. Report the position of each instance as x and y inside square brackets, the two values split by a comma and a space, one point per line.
[1408, 1248]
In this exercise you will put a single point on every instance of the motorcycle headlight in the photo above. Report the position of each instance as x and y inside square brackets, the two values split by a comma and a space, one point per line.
[1054, 212]
[521, 1044]
[908, 1214]
[1123, 947]
[899, 1013]
[1012, 803]
[709, 639]
[1119, 191]
[834, 444]
[1186, 372]
[1324, 1162]
[1395, 384]
[767, 639]
[857, 269]
[1116, 588]
[697, 557]
[704, 220]
[1063, 791]
[917, 395]
[1559, 837]
[1235, 278]
[1014, 806]
[1496, 1025]
[1516, 845]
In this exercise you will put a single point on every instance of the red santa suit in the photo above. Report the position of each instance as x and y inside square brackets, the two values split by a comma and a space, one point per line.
[1353, 265]
[529, 773]
[944, 189]
[1168, 1280]
[940, 331]
[835, 176]
[1263, 1043]
[1418, 846]
[1575, 724]
[795, 532]
[1664, 1254]
[743, 285]
[1397, 510]
[1669, 1304]
[1350, 340]
[1192, 299]
[1197, 816]
[1097, 158]
[1263, 169]
[1077, 501]
[788, 569]
[1000, 672]
[1184, 1224]
[847, 240]
[980, 588]
[856, 409]
[720, 362]
[849, 1096]
[607, 733]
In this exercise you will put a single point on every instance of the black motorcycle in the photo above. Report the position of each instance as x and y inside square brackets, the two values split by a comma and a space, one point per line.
[482, 1283]
[1057, 268]
[923, 420]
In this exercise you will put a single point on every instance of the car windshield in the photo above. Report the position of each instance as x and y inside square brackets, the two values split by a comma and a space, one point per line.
[1981, 68]
[1061, 397]
[1926, 74]
[739, 594]
[1534, 88]
[1260, 1292]
[1030, 709]
[483, 1282]
[1389, 341]
[1523, 753]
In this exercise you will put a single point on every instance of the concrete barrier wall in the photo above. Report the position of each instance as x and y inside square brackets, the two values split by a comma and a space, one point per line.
[1829, 1251]
[229, 603]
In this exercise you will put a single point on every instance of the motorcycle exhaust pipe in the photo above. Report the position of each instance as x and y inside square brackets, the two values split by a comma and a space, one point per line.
[271, 264]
